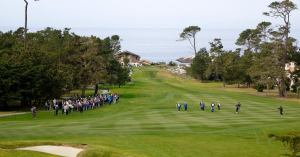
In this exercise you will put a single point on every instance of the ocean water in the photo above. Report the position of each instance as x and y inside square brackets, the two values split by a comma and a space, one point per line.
[161, 44]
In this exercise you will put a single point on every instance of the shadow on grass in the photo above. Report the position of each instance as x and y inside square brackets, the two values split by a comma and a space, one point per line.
[15, 145]
[289, 155]
[102, 152]
[132, 95]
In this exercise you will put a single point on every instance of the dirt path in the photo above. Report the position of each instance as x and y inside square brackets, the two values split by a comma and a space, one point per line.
[55, 150]
[11, 114]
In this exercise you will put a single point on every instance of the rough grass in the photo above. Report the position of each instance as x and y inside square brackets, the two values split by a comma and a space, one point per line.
[146, 123]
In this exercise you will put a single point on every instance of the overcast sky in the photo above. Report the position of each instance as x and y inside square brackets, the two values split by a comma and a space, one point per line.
[137, 13]
[218, 18]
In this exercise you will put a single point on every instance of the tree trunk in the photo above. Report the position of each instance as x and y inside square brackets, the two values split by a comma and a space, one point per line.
[282, 88]
[25, 31]
[217, 73]
[83, 90]
[294, 154]
[25, 102]
[195, 49]
[4, 105]
[96, 89]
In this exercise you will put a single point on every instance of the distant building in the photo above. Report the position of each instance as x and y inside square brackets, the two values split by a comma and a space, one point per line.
[134, 59]
[185, 61]
[290, 68]
[145, 62]
[177, 70]
[182, 64]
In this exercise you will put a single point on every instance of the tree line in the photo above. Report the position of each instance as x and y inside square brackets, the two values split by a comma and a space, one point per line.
[261, 56]
[54, 62]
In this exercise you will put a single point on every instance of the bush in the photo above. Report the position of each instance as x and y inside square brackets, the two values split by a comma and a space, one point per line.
[295, 87]
[171, 63]
[260, 87]
[292, 142]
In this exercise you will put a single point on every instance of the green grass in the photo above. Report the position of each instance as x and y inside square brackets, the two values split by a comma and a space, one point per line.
[146, 123]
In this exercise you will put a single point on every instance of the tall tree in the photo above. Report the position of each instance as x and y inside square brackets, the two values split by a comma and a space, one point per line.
[230, 63]
[249, 38]
[264, 69]
[26, 18]
[115, 43]
[56, 62]
[283, 10]
[189, 34]
[245, 63]
[264, 29]
[216, 51]
[200, 64]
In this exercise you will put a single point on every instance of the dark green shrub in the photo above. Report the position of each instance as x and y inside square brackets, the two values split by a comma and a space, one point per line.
[260, 87]
[291, 141]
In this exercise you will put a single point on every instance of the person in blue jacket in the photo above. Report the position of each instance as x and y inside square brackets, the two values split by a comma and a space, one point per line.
[185, 107]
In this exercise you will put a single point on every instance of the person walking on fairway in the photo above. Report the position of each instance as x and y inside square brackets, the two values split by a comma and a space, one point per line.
[212, 107]
[202, 105]
[280, 110]
[238, 107]
[33, 111]
[47, 106]
[219, 106]
[81, 107]
[66, 108]
[185, 107]
[54, 102]
[56, 108]
[62, 107]
[178, 107]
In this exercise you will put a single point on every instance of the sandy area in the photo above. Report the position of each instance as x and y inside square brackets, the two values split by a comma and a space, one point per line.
[55, 150]
[1, 112]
